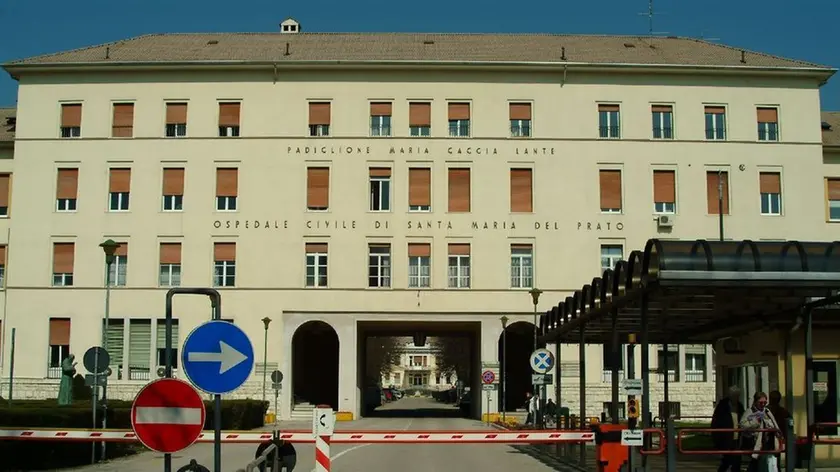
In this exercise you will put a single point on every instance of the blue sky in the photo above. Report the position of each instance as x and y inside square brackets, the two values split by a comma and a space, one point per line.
[798, 29]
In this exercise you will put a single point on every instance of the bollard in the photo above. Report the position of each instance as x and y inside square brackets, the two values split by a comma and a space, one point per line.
[322, 453]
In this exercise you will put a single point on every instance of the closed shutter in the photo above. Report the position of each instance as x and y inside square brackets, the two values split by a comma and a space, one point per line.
[224, 252]
[459, 111]
[833, 186]
[318, 187]
[715, 110]
[160, 339]
[767, 115]
[521, 191]
[316, 248]
[695, 349]
[380, 172]
[227, 182]
[120, 181]
[173, 182]
[71, 115]
[114, 343]
[770, 182]
[712, 192]
[59, 331]
[419, 250]
[170, 253]
[419, 187]
[610, 189]
[520, 111]
[63, 254]
[229, 114]
[380, 109]
[123, 121]
[459, 190]
[459, 249]
[319, 113]
[5, 190]
[176, 114]
[664, 186]
[420, 114]
[661, 108]
[122, 250]
[3, 250]
[68, 184]
[608, 108]
[139, 343]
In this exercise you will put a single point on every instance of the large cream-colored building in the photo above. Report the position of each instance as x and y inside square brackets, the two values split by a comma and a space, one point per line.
[329, 181]
[418, 368]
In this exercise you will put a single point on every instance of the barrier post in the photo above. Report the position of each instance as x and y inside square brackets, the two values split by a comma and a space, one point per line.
[322, 453]
[670, 444]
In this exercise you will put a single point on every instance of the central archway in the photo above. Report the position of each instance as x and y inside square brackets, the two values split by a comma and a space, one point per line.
[315, 364]
[517, 343]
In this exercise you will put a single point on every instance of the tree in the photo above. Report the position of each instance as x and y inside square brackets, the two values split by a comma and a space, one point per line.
[453, 355]
[381, 355]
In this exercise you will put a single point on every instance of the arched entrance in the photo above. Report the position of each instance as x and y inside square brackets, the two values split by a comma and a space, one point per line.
[315, 364]
[517, 343]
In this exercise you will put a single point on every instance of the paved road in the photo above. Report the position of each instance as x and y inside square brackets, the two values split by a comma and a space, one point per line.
[364, 457]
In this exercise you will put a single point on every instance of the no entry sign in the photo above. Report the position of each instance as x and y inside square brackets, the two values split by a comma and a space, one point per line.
[167, 415]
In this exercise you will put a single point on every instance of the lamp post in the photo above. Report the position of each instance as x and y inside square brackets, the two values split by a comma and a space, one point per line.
[503, 370]
[535, 297]
[109, 247]
[266, 321]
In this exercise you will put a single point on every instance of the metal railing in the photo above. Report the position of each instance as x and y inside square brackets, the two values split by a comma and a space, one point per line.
[259, 464]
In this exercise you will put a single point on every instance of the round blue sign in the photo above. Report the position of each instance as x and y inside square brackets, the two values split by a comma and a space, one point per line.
[217, 357]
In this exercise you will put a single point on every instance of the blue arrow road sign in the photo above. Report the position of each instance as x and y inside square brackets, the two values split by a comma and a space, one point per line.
[217, 357]
[541, 361]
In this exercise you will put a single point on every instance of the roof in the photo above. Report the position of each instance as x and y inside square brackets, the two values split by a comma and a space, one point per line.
[432, 47]
[7, 124]
[830, 133]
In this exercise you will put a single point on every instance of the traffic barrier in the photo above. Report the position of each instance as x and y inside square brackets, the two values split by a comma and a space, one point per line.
[815, 434]
[322, 454]
[681, 434]
[302, 436]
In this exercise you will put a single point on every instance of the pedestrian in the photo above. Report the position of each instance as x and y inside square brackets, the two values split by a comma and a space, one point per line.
[529, 417]
[781, 415]
[759, 417]
[727, 415]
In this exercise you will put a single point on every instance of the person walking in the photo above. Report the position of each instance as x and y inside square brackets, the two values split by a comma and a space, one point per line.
[759, 417]
[781, 414]
[727, 415]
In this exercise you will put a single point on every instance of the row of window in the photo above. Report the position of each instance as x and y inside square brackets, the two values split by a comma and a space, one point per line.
[459, 115]
[380, 187]
[694, 366]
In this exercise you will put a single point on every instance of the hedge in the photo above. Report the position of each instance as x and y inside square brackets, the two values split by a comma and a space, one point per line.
[41, 455]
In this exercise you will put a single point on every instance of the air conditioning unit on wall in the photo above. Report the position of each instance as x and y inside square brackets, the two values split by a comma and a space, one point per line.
[665, 221]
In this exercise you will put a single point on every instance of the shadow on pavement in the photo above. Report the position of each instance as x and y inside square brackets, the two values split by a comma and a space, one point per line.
[547, 458]
[415, 413]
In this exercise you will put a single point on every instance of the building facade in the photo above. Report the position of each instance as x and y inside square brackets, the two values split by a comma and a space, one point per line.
[347, 178]
[418, 369]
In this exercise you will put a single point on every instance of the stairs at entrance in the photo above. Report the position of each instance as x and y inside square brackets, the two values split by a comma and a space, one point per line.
[302, 411]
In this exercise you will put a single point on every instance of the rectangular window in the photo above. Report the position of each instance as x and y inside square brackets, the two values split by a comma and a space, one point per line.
[71, 120]
[521, 266]
[607, 409]
[609, 121]
[717, 191]
[663, 121]
[63, 255]
[170, 265]
[317, 188]
[459, 265]
[380, 119]
[224, 262]
[715, 122]
[668, 362]
[695, 363]
[380, 189]
[520, 120]
[173, 189]
[459, 120]
[227, 187]
[122, 123]
[610, 180]
[618, 360]
[5, 194]
[160, 345]
[420, 119]
[419, 265]
[114, 340]
[119, 189]
[319, 118]
[420, 189]
[521, 190]
[610, 255]
[139, 349]
[59, 346]
[832, 190]
[316, 264]
[768, 123]
[176, 120]
[459, 190]
[770, 187]
[825, 373]
[664, 191]
[379, 265]
[229, 119]
[67, 188]
[3, 250]
[119, 269]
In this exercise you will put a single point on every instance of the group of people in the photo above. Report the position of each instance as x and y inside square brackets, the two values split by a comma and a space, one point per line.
[532, 406]
[761, 427]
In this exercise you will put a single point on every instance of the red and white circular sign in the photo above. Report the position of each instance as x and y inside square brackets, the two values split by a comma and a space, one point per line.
[167, 415]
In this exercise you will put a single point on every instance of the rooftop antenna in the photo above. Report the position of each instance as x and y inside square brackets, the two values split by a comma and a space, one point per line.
[650, 14]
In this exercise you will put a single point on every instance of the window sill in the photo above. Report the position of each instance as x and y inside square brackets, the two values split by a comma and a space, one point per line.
[777, 215]
[222, 211]
[310, 210]
[117, 211]
[55, 211]
[379, 212]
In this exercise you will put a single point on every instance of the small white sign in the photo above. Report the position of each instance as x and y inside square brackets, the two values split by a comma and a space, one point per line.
[489, 387]
[632, 386]
[820, 386]
[632, 437]
[323, 422]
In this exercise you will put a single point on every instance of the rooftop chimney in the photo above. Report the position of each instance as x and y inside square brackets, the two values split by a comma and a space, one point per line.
[290, 26]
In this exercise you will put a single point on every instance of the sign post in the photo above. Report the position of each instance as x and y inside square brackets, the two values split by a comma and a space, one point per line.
[323, 426]
[276, 379]
[488, 377]
[542, 361]
[96, 360]
[167, 415]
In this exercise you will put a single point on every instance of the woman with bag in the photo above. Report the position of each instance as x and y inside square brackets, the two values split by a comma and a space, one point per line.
[759, 417]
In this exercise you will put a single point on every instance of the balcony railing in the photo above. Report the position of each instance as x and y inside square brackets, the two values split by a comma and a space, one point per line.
[672, 376]
[695, 376]
[138, 372]
[54, 372]
[606, 376]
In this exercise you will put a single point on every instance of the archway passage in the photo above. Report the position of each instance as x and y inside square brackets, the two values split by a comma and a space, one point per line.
[315, 364]
[517, 343]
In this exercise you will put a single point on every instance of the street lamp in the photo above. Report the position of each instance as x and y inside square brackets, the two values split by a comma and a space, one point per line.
[535, 297]
[503, 370]
[266, 321]
[109, 247]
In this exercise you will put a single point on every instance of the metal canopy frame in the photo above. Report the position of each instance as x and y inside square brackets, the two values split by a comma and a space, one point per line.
[698, 292]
